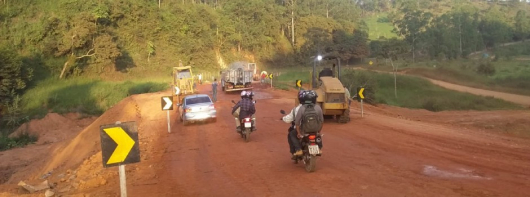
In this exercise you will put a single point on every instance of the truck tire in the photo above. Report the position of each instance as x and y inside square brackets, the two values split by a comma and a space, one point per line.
[345, 117]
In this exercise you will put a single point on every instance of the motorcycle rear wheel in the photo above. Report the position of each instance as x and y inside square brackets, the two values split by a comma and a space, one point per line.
[247, 135]
[310, 163]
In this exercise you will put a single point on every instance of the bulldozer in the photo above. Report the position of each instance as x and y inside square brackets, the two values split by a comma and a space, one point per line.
[183, 82]
[331, 92]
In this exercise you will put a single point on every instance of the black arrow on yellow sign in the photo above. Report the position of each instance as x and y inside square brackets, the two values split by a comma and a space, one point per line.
[361, 93]
[119, 144]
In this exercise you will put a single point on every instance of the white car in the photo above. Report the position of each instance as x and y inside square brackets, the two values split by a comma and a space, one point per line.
[198, 107]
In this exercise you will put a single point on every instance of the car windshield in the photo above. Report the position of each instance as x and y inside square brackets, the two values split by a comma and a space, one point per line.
[195, 100]
[184, 74]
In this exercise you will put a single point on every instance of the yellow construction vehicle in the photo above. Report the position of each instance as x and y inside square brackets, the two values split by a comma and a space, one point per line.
[183, 82]
[330, 90]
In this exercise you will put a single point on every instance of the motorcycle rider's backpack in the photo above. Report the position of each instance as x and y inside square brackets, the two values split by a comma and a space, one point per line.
[310, 121]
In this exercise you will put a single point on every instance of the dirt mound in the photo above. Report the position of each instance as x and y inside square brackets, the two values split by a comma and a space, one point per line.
[54, 127]
[72, 150]
[87, 143]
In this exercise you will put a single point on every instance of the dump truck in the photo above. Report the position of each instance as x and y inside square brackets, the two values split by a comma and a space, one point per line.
[237, 77]
[254, 68]
[183, 80]
[330, 90]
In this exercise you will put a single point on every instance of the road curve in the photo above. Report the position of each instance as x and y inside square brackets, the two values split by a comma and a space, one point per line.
[514, 98]
[378, 155]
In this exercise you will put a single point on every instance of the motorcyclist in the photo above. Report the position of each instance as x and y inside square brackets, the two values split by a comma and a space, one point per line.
[289, 118]
[245, 107]
[305, 97]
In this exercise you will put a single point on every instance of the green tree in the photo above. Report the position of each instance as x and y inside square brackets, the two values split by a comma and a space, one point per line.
[522, 25]
[14, 76]
[413, 23]
[106, 52]
[101, 12]
[494, 27]
[350, 45]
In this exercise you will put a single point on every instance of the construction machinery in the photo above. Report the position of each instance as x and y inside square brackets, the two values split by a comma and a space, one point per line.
[237, 77]
[330, 90]
[254, 69]
[183, 82]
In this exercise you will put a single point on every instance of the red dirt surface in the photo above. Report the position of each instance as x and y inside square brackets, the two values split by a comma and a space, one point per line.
[390, 152]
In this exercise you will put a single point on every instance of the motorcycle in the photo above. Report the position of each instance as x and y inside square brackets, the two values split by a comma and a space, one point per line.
[246, 125]
[311, 145]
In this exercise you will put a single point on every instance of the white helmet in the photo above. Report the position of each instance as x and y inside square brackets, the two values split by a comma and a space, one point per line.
[250, 94]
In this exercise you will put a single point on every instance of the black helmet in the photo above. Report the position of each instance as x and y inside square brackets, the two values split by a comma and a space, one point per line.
[301, 94]
[310, 96]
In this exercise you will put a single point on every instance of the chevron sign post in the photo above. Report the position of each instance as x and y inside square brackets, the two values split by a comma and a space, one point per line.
[167, 104]
[120, 146]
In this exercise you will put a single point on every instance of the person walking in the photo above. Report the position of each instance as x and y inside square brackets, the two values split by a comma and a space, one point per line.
[214, 90]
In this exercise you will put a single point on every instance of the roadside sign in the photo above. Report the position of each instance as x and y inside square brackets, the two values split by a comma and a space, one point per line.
[299, 83]
[119, 144]
[361, 93]
[177, 90]
[167, 103]
[360, 97]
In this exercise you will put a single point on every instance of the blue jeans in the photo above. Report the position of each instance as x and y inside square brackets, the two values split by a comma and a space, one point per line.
[214, 95]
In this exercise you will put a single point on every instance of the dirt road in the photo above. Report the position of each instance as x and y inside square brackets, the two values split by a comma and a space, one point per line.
[378, 155]
[519, 99]
[390, 152]
[514, 98]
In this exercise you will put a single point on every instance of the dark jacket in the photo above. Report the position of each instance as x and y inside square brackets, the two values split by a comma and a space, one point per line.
[247, 108]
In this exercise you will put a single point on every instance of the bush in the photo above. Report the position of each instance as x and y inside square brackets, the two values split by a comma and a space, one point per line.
[431, 104]
[383, 20]
[352, 80]
[486, 69]
[19, 141]
[14, 75]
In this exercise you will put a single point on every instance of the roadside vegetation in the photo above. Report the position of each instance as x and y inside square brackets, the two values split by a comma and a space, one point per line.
[379, 26]
[84, 56]
[412, 92]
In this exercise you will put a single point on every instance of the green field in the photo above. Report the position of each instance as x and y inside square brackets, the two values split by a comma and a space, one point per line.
[84, 95]
[412, 92]
[511, 76]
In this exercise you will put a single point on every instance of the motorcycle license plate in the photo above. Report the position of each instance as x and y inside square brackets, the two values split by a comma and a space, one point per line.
[313, 149]
[248, 125]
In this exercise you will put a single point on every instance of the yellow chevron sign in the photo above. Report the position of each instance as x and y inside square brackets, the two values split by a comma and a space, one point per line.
[119, 144]
[299, 83]
[361, 93]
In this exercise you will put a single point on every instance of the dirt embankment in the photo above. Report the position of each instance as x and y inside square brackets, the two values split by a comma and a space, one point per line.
[68, 152]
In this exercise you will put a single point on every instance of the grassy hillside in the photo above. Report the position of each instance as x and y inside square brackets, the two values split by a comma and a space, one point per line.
[85, 95]
[413, 92]
[508, 69]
